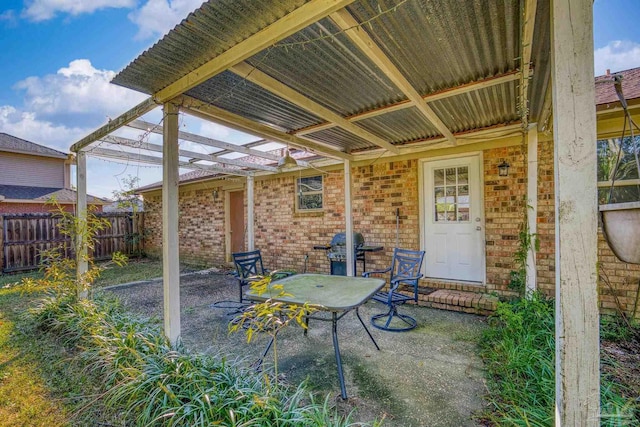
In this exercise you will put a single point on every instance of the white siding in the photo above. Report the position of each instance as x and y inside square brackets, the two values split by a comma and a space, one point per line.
[33, 171]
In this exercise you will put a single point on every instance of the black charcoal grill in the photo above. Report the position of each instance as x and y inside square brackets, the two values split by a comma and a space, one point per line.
[337, 253]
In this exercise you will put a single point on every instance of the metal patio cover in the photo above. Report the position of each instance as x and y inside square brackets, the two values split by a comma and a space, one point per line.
[345, 77]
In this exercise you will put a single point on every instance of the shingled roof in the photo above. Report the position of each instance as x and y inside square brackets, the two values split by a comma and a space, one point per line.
[14, 144]
[605, 92]
[62, 195]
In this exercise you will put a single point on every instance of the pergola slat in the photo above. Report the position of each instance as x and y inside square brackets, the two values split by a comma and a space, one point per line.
[185, 153]
[235, 121]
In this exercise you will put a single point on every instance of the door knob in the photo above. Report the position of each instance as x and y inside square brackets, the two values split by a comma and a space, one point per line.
[478, 228]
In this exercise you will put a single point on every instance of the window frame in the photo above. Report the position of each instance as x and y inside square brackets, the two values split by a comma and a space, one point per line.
[298, 194]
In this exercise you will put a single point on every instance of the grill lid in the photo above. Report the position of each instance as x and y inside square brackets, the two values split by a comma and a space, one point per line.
[338, 250]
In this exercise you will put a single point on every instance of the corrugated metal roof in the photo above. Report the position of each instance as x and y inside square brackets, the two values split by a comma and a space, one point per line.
[400, 126]
[439, 44]
[540, 61]
[331, 71]
[436, 44]
[207, 32]
[342, 139]
[235, 94]
[480, 108]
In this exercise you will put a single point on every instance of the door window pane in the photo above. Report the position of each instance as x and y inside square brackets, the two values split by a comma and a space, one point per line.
[451, 194]
[438, 177]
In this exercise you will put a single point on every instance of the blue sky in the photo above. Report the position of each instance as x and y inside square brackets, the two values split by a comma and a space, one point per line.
[58, 56]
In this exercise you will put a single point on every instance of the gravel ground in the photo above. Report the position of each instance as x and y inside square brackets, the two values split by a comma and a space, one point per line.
[431, 376]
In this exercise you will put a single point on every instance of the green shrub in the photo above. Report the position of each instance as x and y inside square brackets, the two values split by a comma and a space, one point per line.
[152, 383]
[518, 349]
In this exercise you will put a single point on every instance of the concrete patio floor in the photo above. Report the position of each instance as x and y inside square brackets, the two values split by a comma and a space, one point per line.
[431, 376]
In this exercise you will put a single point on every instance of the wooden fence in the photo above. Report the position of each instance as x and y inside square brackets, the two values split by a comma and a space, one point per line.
[25, 236]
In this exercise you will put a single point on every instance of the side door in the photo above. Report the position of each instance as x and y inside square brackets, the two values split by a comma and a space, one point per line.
[453, 229]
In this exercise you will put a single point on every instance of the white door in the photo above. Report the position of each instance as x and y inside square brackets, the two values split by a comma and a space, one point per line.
[454, 232]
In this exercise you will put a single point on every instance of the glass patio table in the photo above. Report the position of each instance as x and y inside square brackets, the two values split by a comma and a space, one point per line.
[337, 295]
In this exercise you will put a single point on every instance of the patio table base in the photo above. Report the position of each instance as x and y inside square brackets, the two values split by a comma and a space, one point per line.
[336, 347]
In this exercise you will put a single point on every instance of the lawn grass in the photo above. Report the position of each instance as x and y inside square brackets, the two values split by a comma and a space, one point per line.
[133, 271]
[38, 384]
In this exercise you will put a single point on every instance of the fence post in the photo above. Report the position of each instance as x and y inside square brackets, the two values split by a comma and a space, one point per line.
[1, 243]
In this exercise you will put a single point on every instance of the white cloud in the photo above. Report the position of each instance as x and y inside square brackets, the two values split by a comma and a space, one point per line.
[79, 92]
[8, 16]
[42, 10]
[618, 55]
[25, 125]
[157, 17]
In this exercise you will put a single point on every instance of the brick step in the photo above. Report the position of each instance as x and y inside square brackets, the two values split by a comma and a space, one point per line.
[464, 301]
[454, 286]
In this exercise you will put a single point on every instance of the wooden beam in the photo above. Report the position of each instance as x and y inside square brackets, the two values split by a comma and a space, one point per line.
[81, 237]
[525, 57]
[532, 203]
[365, 43]
[574, 132]
[139, 110]
[186, 153]
[243, 124]
[267, 82]
[348, 223]
[473, 86]
[251, 233]
[210, 142]
[435, 96]
[289, 24]
[170, 217]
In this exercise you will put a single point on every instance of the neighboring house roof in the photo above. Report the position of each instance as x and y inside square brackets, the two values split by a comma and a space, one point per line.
[42, 194]
[606, 93]
[14, 144]
[117, 207]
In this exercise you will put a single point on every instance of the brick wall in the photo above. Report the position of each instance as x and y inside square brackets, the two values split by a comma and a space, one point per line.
[200, 226]
[504, 199]
[286, 236]
[546, 226]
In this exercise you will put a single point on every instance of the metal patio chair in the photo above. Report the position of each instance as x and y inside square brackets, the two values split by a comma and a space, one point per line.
[248, 265]
[404, 270]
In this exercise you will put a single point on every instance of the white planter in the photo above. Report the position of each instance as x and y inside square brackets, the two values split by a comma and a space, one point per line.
[621, 228]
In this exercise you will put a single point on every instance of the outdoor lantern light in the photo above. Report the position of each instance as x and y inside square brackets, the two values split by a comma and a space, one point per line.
[215, 194]
[503, 168]
[287, 162]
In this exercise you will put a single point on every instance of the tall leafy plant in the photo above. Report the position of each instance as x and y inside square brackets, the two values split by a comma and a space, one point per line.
[60, 270]
[270, 316]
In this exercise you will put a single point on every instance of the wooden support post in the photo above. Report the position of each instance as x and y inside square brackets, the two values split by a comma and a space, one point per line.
[251, 245]
[170, 238]
[532, 203]
[348, 219]
[82, 265]
[574, 132]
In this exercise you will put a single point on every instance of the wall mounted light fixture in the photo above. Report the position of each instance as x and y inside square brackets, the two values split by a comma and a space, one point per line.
[215, 194]
[503, 168]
